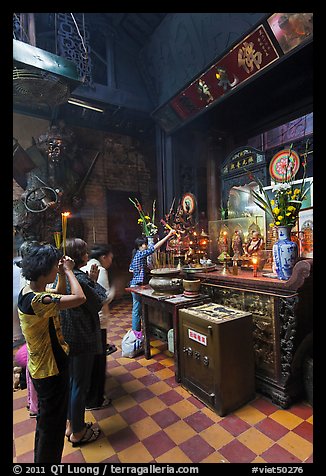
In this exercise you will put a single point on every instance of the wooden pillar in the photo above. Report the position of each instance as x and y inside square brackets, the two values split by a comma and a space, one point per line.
[165, 172]
[214, 188]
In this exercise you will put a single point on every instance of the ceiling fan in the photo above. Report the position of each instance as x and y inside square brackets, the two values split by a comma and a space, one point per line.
[41, 78]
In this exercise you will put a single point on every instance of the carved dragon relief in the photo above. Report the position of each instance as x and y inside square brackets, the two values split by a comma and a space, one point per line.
[288, 329]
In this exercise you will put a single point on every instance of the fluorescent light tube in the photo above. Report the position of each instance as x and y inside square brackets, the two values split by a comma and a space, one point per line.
[76, 102]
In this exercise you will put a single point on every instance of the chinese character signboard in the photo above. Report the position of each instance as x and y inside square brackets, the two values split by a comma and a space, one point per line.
[241, 160]
[251, 55]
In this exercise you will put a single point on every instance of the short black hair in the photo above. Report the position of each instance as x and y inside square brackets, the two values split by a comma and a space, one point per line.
[39, 261]
[100, 249]
[141, 240]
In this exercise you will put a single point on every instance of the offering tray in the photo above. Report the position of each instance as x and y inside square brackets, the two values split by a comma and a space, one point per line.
[199, 269]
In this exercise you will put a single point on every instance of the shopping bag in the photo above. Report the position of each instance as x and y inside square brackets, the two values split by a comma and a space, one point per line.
[132, 344]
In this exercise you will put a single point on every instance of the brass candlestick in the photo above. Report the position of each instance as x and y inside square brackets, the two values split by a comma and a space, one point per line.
[225, 266]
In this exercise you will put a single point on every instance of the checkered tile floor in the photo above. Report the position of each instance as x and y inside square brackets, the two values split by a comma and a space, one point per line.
[153, 419]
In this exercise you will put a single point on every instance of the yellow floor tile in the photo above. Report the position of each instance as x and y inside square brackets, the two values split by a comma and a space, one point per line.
[132, 386]
[111, 383]
[212, 415]
[20, 394]
[183, 408]
[156, 343]
[167, 362]
[135, 454]
[255, 440]
[159, 387]
[216, 436]
[153, 405]
[182, 391]
[112, 424]
[68, 448]
[154, 351]
[215, 457]
[145, 362]
[296, 445]
[164, 374]
[179, 432]
[20, 415]
[123, 403]
[310, 419]
[116, 371]
[24, 443]
[139, 373]
[175, 455]
[250, 414]
[258, 459]
[287, 419]
[97, 451]
[145, 428]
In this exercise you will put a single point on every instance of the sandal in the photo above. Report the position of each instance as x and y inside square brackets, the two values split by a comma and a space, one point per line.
[110, 349]
[90, 435]
[106, 402]
[87, 425]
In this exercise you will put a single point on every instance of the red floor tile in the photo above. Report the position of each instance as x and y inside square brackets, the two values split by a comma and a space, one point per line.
[196, 449]
[234, 425]
[170, 397]
[305, 430]
[263, 405]
[198, 421]
[271, 428]
[236, 451]
[277, 454]
[133, 414]
[165, 418]
[301, 410]
[142, 394]
[123, 439]
[158, 444]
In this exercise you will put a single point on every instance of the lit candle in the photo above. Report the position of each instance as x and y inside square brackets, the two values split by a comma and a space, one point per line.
[64, 217]
[255, 265]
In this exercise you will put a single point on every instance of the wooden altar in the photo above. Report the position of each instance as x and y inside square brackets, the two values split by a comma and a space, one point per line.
[283, 325]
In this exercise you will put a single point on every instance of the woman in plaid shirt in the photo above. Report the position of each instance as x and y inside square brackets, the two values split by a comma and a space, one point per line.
[138, 268]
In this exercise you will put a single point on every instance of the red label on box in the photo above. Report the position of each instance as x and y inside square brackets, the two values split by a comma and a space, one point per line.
[197, 337]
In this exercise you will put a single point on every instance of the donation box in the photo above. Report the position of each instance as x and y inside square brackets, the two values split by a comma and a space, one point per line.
[217, 356]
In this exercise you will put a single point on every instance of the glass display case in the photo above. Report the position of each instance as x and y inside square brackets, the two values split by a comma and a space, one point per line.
[223, 232]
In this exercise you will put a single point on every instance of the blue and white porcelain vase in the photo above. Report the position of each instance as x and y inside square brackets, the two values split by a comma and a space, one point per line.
[151, 240]
[285, 253]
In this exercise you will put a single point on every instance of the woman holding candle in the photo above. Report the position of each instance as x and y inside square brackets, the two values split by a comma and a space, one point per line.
[38, 310]
[81, 329]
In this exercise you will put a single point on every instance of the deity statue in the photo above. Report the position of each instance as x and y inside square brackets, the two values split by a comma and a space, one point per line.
[254, 244]
[52, 186]
[237, 245]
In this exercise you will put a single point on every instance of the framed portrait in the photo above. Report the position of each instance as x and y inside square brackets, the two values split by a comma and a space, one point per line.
[306, 232]
[306, 218]
[291, 29]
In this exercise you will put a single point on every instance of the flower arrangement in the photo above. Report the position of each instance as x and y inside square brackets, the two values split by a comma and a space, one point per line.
[284, 207]
[148, 226]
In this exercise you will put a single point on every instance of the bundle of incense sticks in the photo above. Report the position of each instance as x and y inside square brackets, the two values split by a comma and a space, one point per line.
[64, 217]
[163, 260]
[57, 239]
